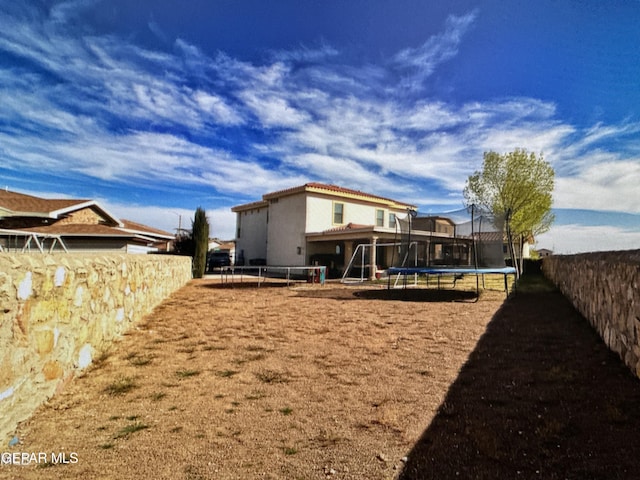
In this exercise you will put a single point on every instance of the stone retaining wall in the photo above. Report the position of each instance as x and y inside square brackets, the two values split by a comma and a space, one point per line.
[62, 311]
[605, 288]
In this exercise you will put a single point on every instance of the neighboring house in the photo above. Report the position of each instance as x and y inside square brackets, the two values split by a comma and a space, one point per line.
[315, 224]
[161, 241]
[217, 245]
[31, 223]
[228, 247]
[544, 252]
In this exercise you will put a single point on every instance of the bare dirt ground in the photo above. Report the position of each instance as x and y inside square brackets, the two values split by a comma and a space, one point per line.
[336, 382]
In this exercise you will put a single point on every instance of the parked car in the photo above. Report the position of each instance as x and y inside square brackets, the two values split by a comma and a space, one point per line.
[217, 260]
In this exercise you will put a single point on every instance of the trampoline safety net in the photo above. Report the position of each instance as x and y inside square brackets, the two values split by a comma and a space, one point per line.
[466, 238]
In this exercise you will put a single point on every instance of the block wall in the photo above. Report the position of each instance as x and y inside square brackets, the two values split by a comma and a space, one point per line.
[62, 311]
[605, 288]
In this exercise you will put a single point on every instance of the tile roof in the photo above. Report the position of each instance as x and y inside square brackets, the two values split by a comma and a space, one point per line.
[250, 206]
[347, 227]
[322, 188]
[332, 189]
[491, 236]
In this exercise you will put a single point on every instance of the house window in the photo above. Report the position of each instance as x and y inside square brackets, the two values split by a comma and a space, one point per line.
[392, 220]
[379, 218]
[338, 213]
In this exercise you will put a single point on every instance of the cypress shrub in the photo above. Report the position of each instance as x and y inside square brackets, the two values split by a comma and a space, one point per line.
[200, 234]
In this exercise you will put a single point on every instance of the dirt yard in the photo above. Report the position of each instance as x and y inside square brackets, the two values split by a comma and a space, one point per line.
[344, 383]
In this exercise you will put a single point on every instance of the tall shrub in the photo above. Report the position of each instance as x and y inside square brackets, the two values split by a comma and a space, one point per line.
[200, 235]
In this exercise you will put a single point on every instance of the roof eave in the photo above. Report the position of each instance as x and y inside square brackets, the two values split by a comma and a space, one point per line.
[368, 229]
[249, 206]
[12, 213]
[340, 192]
[155, 236]
[87, 204]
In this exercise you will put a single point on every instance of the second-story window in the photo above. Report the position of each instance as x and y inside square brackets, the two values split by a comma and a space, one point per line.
[338, 213]
[392, 220]
[379, 218]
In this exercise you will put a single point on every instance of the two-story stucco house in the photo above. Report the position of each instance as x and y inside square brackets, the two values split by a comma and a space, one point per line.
[315, 224]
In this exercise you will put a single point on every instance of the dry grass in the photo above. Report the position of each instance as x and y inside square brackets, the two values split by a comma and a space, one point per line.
[263, 383]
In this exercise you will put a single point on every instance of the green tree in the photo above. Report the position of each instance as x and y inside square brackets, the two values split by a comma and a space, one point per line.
[200, 235]
[183, 243]
[518, 185]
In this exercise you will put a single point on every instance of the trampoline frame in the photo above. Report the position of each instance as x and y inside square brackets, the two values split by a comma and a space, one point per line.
[505, 271]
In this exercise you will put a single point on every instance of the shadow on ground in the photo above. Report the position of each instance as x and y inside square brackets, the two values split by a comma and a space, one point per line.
[317, 291]
[417, 295]
[404, 295]
[244, 284]
[540, 397]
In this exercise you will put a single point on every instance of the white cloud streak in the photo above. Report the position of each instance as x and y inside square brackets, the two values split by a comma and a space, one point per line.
[421, 62]
[607, 185]
[568, 239]
[221, 220]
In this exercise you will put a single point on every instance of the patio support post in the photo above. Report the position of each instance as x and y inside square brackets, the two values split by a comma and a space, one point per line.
[374, 261]
[348, 252]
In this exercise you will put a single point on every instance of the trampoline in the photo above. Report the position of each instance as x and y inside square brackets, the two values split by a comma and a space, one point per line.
[464, 242]
[406, 271]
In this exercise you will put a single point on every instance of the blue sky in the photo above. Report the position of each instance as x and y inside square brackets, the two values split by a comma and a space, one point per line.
[157, 107]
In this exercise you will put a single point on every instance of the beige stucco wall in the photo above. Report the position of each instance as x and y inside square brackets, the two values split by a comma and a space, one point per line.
[252, 242]
[286, 231]
[62, 311]
[320, 213]
[605, 288]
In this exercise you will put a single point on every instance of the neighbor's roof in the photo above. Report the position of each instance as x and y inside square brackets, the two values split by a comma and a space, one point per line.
[14, 204]
[80, 230]
[322, 188]
[227, 246]
[19, 203]
[134, 227]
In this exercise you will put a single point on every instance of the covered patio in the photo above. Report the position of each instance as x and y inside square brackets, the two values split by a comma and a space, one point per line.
[335, 249]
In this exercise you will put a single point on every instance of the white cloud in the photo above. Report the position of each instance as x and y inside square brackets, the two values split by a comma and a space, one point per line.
[305, 54]
[217, 107]
[337, 170]
[273, 110]
[422, 61]
[607, 185]
[567, 239]
[221, 220]
[249, 178]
